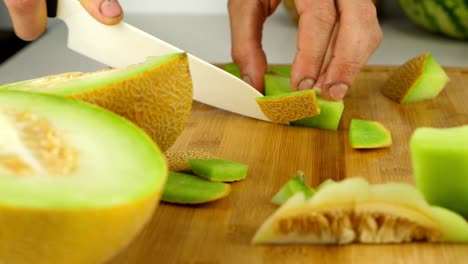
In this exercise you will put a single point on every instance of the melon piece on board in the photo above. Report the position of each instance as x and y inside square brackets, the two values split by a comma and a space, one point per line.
[366, 134]
[155, 94]
[440, 164]
[418, 79]
[179, 160]
[77, 182]
[293, 186]
[354, 211]
[219, 170]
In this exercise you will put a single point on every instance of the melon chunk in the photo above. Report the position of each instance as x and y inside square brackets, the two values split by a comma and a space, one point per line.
[293, 186]
[179, 160]
[275, 84]
[440, 164]
[155, 94]
[219, 170]
[418, 79]
[77, 182]
[329, 117]
[366, 134]
[182, 188]
[354, 211]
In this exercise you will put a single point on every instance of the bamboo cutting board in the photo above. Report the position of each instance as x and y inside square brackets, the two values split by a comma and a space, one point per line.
[220, 232]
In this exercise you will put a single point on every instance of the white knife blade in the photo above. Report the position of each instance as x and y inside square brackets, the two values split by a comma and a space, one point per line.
[122, 44]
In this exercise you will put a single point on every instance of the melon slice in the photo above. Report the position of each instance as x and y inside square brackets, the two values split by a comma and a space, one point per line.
[275, 84]
[293, 186]
[284, 108]
[353, 211]
[366, 134]
[329, 117]
[77, 182]
[233, 69]
[440, 164]
[179, 160]
[281, 70]
[155, 94]
[182, 188]
[418, 79]
[219, 170]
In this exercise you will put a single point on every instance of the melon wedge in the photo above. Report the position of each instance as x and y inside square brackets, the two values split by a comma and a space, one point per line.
[354, 211]
[219, 170]
[155, 94]
[367, 134]
[293, 186]
[179, 160]
[77, 182]
[420, 78]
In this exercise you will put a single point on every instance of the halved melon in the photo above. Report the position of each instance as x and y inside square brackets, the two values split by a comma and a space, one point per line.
[77, 182]
[155, 94]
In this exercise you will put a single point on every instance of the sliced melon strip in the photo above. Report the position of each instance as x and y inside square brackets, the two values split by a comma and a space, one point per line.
[284, 108]
[275, 84]
[179, 160]
[353, 211]
[155, 94]
[293, 186]
[366, 134]
[417, 79]
[219, 170]
[329, 117]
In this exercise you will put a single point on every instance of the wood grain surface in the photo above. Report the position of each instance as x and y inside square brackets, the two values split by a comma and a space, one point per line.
[220, 232]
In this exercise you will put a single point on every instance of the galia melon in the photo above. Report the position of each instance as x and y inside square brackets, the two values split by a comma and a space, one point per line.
[77, 182]
[368, 134]
[155, 94]
[179, 160]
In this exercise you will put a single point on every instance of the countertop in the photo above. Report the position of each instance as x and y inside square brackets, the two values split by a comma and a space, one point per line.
[402, 40]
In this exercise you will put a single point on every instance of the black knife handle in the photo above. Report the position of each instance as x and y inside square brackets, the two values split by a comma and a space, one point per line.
[52, 8]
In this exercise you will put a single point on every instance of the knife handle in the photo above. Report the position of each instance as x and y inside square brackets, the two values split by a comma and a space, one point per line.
[51, 8]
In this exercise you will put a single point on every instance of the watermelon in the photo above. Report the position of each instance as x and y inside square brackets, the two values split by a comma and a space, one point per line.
[449, 18]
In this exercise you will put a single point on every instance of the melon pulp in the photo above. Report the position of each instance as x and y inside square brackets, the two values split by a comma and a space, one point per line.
[420, 78]
[155, 94]
[293, 186]
[219, 170]
[77, 182]
[179, 160]
[366, 134]
[354, 211]
[440, 164]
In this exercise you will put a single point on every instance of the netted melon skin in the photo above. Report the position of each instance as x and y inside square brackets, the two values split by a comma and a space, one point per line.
[159, 100]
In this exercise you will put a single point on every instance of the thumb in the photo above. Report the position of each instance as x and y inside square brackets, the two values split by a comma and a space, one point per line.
[108, 12]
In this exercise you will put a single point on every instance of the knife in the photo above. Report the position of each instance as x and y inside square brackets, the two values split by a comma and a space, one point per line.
[122, 44]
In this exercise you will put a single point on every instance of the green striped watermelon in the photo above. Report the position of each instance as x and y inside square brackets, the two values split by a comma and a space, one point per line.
[449, 17]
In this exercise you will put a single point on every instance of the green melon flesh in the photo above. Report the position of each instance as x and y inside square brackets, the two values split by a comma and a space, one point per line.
[275, 85]
[440, 164]
[219, 170]
[365, 134]
[87, 81]
[281, 70]
[182, 188]
[329, 117]
[295, 185]
[115, 161]
[233, 69]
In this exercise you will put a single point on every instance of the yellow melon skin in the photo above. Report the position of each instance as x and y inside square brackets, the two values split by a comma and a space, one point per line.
[159, 101]
[82, 236]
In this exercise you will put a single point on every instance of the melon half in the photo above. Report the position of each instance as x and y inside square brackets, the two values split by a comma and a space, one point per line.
[155, 94]
[77, 182]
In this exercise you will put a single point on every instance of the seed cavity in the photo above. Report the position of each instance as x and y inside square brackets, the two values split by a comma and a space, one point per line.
[30, 145]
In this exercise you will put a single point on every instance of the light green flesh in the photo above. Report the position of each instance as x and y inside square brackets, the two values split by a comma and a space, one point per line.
[293, 186]
[90, 81]
[117, 162]
[219, 169]
[454, 226]
[285, 95]
[440, 164]
[325, 184]
[189, 189]
[275, 85]
[233, 69]
[329, 117]
[368, 134]
[280, 70]
[430, 84]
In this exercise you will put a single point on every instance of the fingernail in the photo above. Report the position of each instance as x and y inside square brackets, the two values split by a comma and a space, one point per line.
[306, 84]
[318, 90]
[338, 91]
[247, 79]
[110, 8]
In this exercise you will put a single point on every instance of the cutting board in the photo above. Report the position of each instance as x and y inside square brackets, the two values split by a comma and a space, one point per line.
[221, 231]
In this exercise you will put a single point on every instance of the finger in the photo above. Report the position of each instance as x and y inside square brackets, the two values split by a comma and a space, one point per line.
[358, 37]
[29, 17]
[108, 12]
[246, 22]
[317, 19]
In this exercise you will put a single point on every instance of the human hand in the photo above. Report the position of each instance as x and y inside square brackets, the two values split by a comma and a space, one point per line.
[335, 39]
[29, 17]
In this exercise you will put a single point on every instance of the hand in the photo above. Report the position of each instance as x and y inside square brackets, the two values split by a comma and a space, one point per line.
[335, 39]
[29, 17]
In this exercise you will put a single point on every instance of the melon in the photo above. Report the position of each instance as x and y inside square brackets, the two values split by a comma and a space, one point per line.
[77, 182]
[293, 186]
[368, 134]
[219, 170]
[179, 160]
[445, 17]
[354, 211]
[420, 78]
[155, 94]
[440, 165]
